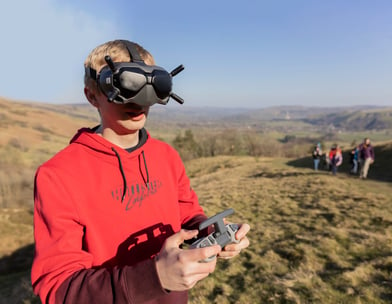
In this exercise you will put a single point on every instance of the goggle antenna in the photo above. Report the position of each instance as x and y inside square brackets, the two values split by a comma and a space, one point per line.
[112, 95]
[174, 73]
[177, 70]
[177, 98]
[110, 63]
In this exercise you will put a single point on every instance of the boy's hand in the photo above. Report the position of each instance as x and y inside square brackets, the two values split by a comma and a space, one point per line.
[233, 249]
[180, 269]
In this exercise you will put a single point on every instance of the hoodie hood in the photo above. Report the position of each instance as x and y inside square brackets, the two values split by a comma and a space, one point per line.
[89, 138]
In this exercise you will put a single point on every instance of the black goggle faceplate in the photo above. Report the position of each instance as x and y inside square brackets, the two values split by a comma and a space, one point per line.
[135, 82]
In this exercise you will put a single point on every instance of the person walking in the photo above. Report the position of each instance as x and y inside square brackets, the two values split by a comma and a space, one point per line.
[354, 155]
[336, 159]
[367, 157]
[316, 154]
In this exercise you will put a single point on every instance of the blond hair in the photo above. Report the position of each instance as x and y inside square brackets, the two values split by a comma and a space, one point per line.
[118, 51]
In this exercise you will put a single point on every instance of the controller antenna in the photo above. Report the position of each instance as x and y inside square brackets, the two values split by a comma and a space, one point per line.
[217, 221]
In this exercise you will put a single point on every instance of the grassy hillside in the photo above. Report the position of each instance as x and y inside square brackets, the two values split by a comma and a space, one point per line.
[315, 238]
[30, 134]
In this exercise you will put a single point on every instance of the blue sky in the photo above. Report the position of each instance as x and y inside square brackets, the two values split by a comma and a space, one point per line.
[249, 53]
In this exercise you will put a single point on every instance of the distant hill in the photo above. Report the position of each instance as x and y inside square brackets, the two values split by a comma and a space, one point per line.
[186, 113]
[354, 118]
[294, 112]
[370, 119]
[357, 118]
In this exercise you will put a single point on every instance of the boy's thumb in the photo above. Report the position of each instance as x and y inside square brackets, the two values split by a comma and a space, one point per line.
[183, 235]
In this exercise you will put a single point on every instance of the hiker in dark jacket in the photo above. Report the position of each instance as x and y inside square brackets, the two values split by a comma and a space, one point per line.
[316, 154]
[354, 158]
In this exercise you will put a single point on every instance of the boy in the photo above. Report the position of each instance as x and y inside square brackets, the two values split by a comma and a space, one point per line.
[112, 209]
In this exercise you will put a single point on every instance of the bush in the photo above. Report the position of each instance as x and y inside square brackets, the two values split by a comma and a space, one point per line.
[186, 146]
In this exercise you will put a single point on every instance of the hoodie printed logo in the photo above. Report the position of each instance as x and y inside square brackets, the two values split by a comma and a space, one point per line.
[136, 193]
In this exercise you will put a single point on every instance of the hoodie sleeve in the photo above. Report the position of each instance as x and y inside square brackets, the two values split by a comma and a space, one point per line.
[187, 198]
[62, 272]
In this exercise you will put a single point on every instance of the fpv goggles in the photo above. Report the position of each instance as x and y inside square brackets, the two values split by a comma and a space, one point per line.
[134, 81]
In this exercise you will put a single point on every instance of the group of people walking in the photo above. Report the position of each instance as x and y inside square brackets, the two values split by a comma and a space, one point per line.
[361, 157]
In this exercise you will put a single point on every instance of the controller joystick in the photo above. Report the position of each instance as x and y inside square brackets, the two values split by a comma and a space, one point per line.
[223, 234]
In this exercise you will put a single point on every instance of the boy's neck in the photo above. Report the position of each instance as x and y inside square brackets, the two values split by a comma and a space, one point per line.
[124, 141]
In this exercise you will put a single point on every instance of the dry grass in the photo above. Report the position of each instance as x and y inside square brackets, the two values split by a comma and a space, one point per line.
[34, 131]
[315, 238]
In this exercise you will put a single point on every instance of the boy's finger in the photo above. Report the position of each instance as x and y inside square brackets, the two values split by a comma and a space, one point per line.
[244, 229]
[200, 254]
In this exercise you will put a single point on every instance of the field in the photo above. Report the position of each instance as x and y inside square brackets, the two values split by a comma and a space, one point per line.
[315, 238]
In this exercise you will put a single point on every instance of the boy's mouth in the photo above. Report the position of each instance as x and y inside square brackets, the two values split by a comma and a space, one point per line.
[135, 112]
[136, 115]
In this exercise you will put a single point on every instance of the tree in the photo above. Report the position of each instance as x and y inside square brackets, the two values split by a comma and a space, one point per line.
[186, 146]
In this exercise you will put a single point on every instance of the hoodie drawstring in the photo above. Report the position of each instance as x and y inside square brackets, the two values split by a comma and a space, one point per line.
[145, 179]
[125, 186]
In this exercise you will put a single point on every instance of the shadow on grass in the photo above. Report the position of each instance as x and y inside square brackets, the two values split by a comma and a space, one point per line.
[19, 260]
[280, 174]
[15, 277]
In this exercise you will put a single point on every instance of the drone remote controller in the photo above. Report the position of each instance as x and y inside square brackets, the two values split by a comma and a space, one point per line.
[223, 234]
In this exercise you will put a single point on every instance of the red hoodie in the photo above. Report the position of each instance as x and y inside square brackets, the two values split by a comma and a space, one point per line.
[94, 241]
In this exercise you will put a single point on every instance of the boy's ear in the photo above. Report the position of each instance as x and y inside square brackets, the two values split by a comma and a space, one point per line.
[91, 96]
